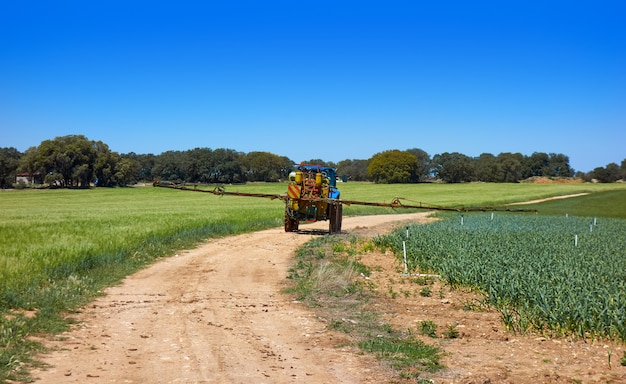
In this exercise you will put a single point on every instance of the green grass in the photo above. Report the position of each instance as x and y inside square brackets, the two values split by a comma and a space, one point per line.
[46, 236]
[327, 276]
[458, 195]
[428, 328]
[610, 203]
[467, 194]
[408, 355]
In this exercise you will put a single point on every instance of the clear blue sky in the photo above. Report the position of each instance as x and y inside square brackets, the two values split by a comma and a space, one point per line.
[319, 79]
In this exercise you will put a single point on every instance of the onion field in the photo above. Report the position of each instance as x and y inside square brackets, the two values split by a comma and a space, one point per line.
[560, 275]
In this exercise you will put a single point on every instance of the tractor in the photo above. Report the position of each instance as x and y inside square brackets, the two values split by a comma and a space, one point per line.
[312, 195]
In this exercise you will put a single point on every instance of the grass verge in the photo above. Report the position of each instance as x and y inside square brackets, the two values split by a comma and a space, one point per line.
[329, 277]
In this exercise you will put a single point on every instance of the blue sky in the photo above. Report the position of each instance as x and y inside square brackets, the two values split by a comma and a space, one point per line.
[319, 79]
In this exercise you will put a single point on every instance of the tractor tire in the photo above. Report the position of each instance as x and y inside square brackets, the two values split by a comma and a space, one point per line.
[339, 217]
[291, 224]
[335, 213]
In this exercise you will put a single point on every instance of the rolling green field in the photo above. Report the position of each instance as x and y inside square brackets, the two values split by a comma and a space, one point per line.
[610, 203]
[59, 248]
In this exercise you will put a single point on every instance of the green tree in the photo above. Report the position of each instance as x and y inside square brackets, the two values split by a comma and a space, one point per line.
[266, 166]
[143, 164]
[169, 166]
[392, 166]
[423, 164]
[9, 162]
[512, 166]
[126, 171]
[608, 174]
[538, 164]
[28, 161]
[227, 166]
[487, 168]
[559, 166]
[68, 161]
[355, 170]
[453, 167]
[146, 162]
[198, 165]
[104, 167]
[320, 162]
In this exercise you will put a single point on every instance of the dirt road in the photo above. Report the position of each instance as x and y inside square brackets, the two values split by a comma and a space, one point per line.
[214, 314]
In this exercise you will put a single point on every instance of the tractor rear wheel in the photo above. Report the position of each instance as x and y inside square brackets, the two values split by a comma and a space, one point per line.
[335, 213]
[291, 224]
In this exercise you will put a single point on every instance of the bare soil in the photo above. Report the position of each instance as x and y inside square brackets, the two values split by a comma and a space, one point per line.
[217, 314]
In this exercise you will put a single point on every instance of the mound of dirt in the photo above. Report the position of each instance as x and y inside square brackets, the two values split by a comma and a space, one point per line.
[552, 180]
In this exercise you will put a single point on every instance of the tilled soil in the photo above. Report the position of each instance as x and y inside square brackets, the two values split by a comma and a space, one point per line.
[217, 314]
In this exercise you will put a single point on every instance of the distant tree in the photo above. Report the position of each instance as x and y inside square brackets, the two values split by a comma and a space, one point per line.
[169, 166]
[623, 170]
[423, 164]
[355, 170]
[559, 166]
[227, 166]
[512, 166]
[392, 166]
[613, 172]
[320, 162]
[112, 169]
[265, 166]
[126, 171]
[146, 162]
[104, 167]
[599, 174]
[608, 174]
[487, 168]
[9, 162]
[453, 167]
[538, 164]
[198, 164]
[581, 175]
[68, 161]
[28, 161]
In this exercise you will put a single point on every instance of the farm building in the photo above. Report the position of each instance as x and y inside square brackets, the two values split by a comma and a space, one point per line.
[29, 178]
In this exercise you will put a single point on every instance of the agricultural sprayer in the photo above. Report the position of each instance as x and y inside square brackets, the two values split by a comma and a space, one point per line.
[312, 195]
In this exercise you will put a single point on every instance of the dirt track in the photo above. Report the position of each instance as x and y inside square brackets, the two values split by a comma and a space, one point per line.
[213, 314]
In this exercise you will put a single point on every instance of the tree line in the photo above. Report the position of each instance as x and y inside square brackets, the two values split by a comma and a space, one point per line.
[74, 161]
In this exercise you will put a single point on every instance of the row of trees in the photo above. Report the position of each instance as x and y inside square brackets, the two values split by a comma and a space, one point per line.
[75, 161]
[415, 165]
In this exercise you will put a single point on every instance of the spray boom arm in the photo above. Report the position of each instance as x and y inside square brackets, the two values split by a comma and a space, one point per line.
[395, 203]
